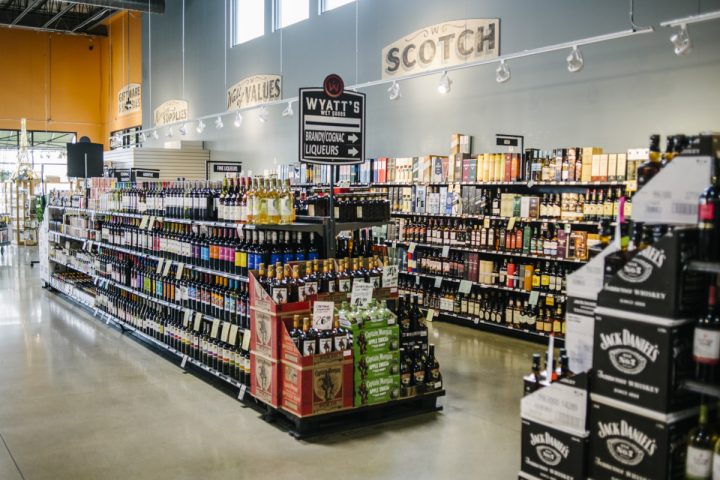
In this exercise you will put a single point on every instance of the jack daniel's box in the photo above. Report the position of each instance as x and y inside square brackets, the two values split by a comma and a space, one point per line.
[628, 442]
[550, 453]
[642, 359]
[654, 282]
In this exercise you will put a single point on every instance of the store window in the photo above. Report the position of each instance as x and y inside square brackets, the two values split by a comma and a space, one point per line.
[326, 5]
[288, 12]
[46, 151]
[248, 20]
[120, 139]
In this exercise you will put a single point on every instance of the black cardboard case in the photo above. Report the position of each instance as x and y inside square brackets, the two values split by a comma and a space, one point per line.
[627, 442]
[643, 360]
[552, 454]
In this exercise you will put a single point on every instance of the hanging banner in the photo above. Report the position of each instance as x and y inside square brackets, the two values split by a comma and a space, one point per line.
[442, 45]
[254, 90]
[132, 91]
[170, 112]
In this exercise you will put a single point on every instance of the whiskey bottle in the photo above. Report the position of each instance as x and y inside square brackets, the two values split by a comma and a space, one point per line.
[325, 341]
[340, 337]
[652, 166]
[308, 339]
[433, 377]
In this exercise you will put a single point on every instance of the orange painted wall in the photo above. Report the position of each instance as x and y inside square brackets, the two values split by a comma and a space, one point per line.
[59, 83]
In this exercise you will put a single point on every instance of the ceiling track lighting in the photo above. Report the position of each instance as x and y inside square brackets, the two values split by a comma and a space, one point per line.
[444, 86]
[681, 41]
[183, 129]
[575, 60]
[143, 137]
[219, 123]
[200, 127]
[155, 135]
[238, 119]
[502, 73]
[288, 112]
[394, 91]
[263, 115]
[169, 132]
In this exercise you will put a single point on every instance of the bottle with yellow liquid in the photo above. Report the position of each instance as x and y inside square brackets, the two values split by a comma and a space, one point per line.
[250, 201]
[261, 199]
[272, 199]
[287, 204]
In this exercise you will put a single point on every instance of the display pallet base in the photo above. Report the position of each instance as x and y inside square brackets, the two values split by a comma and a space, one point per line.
[218, 380]
[536, 337]
[703, 388]
[353, 418]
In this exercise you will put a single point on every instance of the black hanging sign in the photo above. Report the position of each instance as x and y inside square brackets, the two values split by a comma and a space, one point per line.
[332, 124]
[226, 167]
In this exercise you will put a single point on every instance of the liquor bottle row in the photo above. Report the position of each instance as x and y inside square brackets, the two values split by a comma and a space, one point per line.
[252, 200]
[221, 352]
[310, 341]
[360, 244]
[350, 207]
[560, 369]
[545, 240]
[529, 276]
[293, 283]
[213, 295]
[546, 316]
[593, 205]
[217, 248]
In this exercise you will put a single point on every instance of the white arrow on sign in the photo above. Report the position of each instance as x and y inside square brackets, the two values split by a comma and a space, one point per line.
[353, 151]
[353, 138]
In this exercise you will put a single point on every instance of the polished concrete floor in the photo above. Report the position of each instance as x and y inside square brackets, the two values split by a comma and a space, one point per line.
[78, 400]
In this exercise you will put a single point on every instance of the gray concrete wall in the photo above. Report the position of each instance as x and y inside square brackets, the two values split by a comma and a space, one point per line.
[628, 89]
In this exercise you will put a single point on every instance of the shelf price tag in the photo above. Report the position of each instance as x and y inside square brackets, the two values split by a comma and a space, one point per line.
[179, 270]
[144, 222]
[151, 223]
[187, 317]
[390, 276]
[511, 223]
[411, 248]
[361, 294]
[159, 266]
[198, 321]
[225, 332]
[465, 286]
[215, 328]
[246, 340]
[323, 315]
[166, 271]
[486, 222]
[241, 394]
[430, 315]
[184, 361]
[233, 335]
[446, 251]
[534, 296]
[438, 282]
[550, 300]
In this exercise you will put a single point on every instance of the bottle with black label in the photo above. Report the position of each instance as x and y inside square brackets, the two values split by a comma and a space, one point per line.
[433, 377]
[709, 222]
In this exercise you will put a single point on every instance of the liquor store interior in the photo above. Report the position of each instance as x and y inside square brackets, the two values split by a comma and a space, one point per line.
[262, 235]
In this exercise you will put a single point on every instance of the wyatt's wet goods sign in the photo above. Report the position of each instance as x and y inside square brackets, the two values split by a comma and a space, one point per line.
[332, 129]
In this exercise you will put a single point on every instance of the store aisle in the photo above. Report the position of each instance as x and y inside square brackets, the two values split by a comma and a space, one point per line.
[81, 401]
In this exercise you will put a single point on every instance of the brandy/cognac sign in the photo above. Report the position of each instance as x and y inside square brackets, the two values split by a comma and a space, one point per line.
[442, 45]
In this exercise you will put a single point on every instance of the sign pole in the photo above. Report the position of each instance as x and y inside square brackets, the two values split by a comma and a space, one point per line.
[330, 239]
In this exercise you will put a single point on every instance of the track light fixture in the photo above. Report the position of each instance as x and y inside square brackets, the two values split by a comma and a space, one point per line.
[219, 123]
[445, 83]
[681, 41]
[183, 129]
[288, 112]
[155, 134]
[238, 119]
[169, 132]
[575, 60]
[502, 73]
[394, 91]
[263, 115]
[200, 127]
[143, 137]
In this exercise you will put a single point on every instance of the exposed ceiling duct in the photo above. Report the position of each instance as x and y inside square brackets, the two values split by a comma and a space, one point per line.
[151, 6]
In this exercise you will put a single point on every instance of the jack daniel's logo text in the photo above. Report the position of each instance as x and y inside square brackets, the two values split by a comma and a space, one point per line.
[549, 449]
[639, 269]
[626, 444]
[629, 353]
